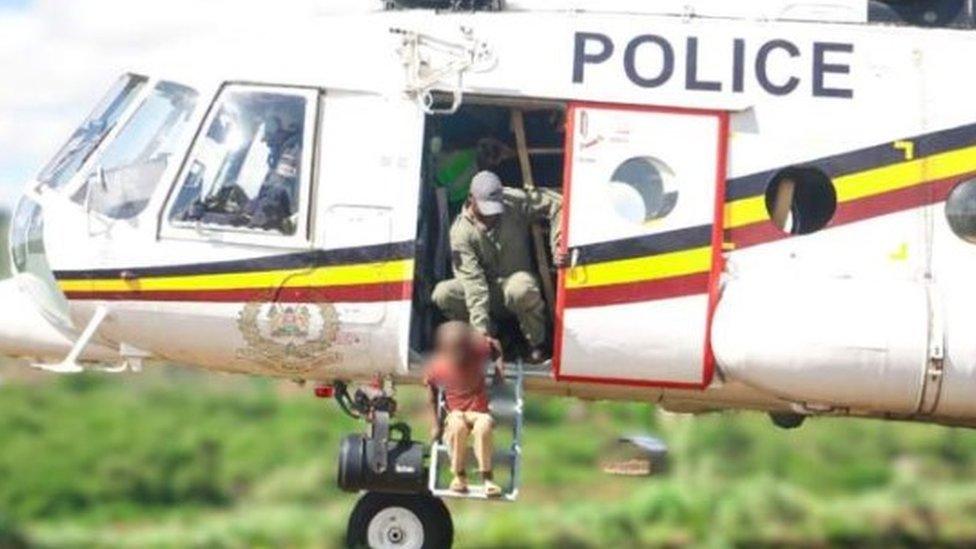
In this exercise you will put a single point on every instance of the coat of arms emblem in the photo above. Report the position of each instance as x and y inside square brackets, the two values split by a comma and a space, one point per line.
[289, 321]
[291, 338]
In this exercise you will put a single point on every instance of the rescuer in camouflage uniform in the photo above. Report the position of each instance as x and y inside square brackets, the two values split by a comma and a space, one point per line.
[490, 251]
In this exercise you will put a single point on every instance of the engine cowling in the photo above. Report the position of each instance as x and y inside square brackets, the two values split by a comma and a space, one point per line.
[829, 342]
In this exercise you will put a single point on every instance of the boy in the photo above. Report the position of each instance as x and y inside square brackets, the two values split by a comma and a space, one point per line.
[458, 368]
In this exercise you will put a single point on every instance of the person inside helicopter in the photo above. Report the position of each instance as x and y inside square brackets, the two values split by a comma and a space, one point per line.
[275, 202]
[479, 138]
[242, 137]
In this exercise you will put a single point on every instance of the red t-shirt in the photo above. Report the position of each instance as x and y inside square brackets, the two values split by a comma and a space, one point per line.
[464, 384]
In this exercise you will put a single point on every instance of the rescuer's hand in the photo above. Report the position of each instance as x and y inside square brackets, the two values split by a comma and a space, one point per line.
[499, 377]
[496, 347]
[560, 259]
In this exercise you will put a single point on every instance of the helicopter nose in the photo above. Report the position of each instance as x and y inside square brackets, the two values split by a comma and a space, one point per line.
[24, 332]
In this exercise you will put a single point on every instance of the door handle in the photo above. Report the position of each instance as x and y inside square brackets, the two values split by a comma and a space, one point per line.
[574, 271]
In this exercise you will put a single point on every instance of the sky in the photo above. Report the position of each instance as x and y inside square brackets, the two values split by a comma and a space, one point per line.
[57, 58]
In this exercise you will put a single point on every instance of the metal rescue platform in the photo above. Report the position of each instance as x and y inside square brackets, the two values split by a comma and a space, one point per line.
[506, 407]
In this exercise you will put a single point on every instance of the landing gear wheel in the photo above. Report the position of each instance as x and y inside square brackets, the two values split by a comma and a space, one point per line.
[400, 521]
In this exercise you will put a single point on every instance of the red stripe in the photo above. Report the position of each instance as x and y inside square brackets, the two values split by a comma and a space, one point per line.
[358, 293]
[647, 290]
[755, 233]
[852, 211]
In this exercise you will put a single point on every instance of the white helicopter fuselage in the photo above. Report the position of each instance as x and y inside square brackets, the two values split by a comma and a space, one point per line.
[703, 304]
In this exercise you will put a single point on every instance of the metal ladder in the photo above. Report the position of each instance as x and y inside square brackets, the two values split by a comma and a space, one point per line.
[506, 407]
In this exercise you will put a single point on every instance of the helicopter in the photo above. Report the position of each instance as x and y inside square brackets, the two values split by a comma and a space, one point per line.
[766, 206]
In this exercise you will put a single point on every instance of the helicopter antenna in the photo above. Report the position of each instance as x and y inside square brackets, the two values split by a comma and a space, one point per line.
[429, 61]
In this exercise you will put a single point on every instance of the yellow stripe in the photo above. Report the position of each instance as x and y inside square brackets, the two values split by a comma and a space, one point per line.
[343, 275]
[867, 183]
[906, 174]
[695, 260]
[745, 211]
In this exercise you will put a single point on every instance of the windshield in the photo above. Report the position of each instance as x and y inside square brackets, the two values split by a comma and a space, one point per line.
[134, 162]
[86, 138]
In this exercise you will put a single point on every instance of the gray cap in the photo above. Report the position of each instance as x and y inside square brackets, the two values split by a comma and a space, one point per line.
[486, 191]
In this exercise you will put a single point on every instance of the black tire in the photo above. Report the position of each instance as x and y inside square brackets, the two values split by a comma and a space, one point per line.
[432, 514]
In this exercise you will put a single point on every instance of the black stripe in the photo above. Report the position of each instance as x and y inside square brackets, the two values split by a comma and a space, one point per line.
[392, 251]
[648, 245]
[859, 160]
[947, 140]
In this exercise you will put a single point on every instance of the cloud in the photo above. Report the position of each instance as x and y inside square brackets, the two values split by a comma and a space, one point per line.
[58, 57]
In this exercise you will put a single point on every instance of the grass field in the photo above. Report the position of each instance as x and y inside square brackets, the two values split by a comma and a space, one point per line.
[174, 458]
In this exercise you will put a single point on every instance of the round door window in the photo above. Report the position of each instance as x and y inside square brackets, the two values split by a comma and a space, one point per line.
[642, 189]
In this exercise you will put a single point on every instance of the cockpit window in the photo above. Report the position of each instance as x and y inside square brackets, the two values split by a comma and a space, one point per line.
[126, 175]
[86, 138]
[246, 168]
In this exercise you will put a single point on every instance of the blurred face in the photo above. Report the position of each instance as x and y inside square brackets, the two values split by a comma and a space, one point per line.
[454, 341]
[491, 153]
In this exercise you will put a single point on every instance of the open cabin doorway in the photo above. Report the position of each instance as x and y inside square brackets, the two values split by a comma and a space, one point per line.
[523, 142]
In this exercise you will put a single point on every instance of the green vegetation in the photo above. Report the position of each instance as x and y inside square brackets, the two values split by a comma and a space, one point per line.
[10, 534]
[174, 458]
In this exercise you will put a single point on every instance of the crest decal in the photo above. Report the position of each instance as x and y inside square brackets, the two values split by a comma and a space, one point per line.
[290, 338]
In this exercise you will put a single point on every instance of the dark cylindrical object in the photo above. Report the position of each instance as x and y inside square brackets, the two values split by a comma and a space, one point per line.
[404, 473]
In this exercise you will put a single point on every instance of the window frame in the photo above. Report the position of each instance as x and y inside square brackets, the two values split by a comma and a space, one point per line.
[71, 186]
[180, 153]
[198, 231]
